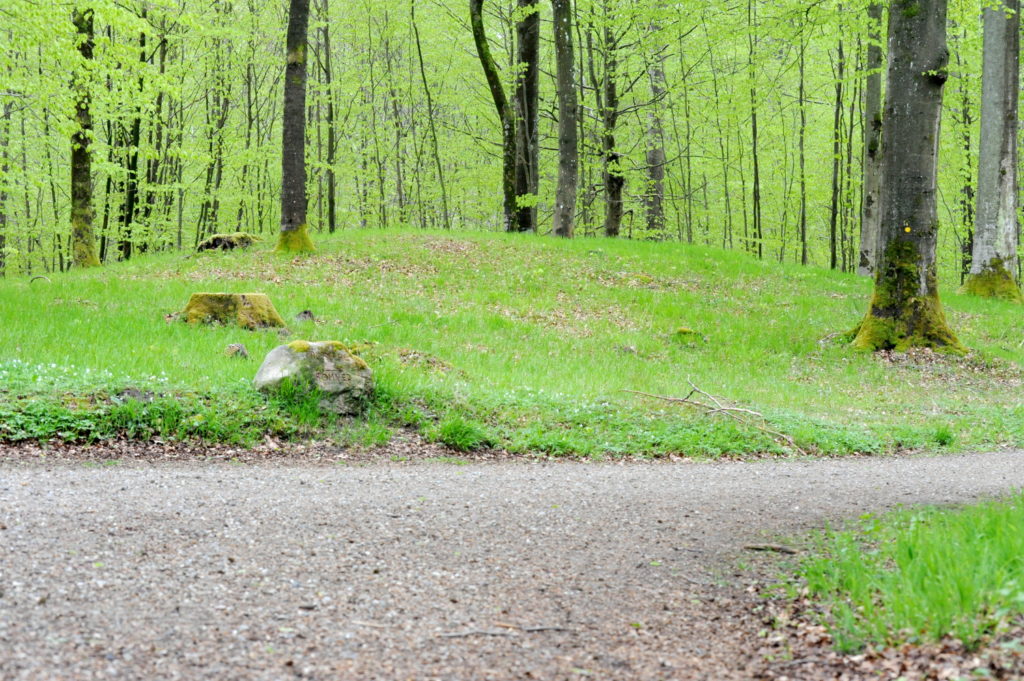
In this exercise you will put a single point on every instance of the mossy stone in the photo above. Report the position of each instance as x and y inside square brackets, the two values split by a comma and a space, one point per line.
[227, 242]
[248, 310]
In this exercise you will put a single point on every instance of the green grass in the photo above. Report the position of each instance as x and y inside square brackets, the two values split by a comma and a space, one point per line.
[920, 575]
[529, 343]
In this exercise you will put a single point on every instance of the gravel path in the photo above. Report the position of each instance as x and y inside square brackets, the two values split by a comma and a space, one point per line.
[426, 571]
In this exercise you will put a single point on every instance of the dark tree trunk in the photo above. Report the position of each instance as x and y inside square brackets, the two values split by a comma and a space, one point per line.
[294, 232]
[994, 249]
[613, 177]
[833, 236]
[527, 111]
[83, 247]
[506, 117]
[869, 217]
[905, 310]
[568, 152]
[332, 134]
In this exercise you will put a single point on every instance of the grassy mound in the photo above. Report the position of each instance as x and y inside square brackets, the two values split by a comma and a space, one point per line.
[505, 340]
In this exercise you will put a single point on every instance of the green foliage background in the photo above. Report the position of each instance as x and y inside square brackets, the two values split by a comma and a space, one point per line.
[204, 82]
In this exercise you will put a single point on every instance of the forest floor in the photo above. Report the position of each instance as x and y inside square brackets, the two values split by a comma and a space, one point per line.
[141, 561]
[519, 343]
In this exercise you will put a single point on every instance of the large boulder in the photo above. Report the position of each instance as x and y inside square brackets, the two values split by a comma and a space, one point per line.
[343, 380]
[248, 310]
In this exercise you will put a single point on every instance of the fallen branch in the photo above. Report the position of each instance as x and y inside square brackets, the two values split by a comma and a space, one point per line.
[475, 632]
[772, 548]
[715, 406]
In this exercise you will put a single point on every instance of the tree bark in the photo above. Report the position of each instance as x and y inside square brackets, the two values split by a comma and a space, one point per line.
[872, 181]
[83, 247]
[506, 116]
[527, 111]
[614, 178]
[294, 232]
[905, 310]
[994, 257]
[656, 158]
[568, 152]
[430, 118]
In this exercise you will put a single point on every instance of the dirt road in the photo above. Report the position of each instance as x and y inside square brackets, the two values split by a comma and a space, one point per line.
[426, 571]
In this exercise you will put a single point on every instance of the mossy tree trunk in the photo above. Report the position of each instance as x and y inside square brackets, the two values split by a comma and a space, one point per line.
[83, 243]
[994, 257]
[872, 181]
[905, 309]
[568, 151]
[527, 112]
[294, 231]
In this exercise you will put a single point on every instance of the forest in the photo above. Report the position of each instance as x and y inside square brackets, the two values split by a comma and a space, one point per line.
[745, 125]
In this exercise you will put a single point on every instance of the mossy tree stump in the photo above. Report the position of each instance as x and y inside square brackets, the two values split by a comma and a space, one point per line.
[247, 310]
[227, 242]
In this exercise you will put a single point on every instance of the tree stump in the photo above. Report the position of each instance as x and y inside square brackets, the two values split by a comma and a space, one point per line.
[248, 310]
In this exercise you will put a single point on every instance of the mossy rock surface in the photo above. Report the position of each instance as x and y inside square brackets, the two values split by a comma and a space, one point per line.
[341, 381]
[248, 310]
[227, 242]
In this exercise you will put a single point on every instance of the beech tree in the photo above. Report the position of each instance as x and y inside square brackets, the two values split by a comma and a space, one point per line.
[568, 150]
[294, 231]
[872, 156]
[994, 258]
[905, 310]
[83, 246]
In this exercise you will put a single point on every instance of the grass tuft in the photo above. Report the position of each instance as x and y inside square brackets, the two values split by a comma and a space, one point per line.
[920, 575]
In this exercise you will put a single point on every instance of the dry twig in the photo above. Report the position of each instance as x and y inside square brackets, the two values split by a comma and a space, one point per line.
[715, 406]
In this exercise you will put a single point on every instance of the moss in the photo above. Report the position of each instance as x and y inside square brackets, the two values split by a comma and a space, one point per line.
[299, 346]
[994, 281]
[295, 240]
[248, 310]
[900, 317]
[227, 242]
[911, 9]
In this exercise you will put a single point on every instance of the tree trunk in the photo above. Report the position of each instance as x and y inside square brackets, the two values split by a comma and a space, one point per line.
[430, 118]
[869, 215]
[994, 258]
[614, 178]
[506, 117]
[5, 136]
[294, 233]
[803, 150]
[833, 236]
[656, 158]
[83, 247]
[527, 112]
[905, 310]
[568, 153]
[754, 140]
[332, 133]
